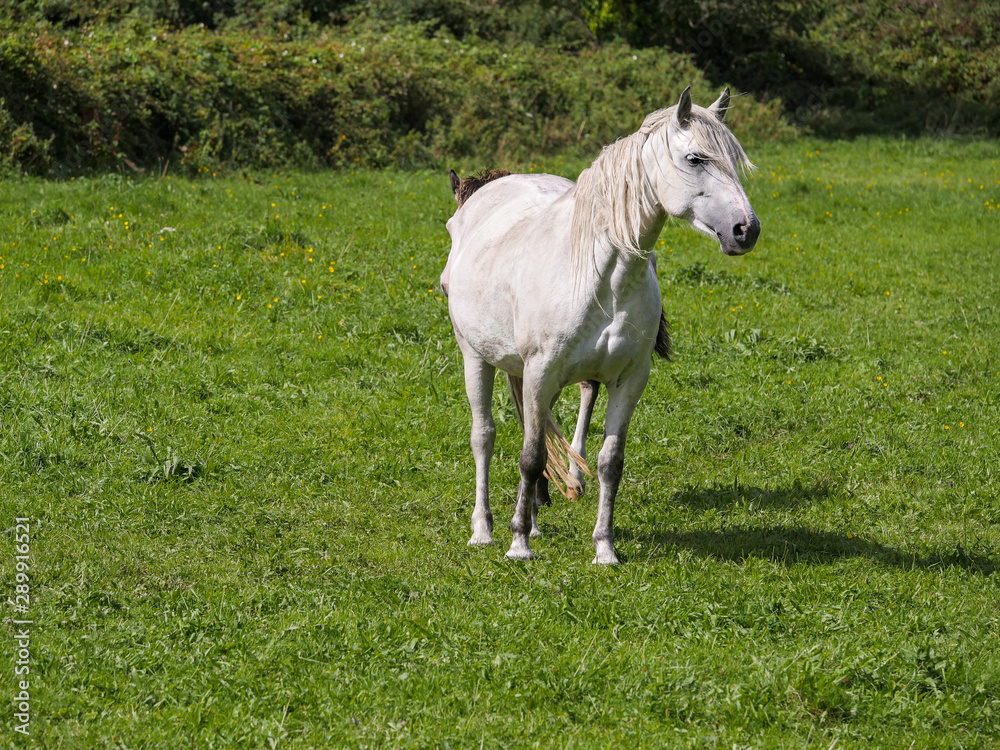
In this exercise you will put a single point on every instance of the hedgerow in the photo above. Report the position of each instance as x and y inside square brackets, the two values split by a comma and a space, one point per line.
[90, 84]
[143, 95]
[919, 67]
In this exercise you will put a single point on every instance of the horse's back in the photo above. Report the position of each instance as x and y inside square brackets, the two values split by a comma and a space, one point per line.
[506, 233]
[499, 205]
[503, 239]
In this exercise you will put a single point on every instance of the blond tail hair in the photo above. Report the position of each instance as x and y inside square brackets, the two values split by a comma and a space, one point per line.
[559, 452]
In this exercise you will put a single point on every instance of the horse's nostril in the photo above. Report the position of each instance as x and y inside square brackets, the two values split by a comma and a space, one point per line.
[746, 234]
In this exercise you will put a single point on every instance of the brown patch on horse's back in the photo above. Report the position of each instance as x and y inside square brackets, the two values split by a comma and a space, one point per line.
[463, 189]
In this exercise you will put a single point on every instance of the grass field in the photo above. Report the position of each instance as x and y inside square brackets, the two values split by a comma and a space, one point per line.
[232, 409]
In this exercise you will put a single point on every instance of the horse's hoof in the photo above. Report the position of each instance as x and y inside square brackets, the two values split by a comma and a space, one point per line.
[576, 485]
[520, 552]
[480, 539]
[606, 559]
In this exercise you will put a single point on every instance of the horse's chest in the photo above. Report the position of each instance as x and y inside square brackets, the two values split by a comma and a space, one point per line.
[619, 331]
[625, 338]
[614, 348]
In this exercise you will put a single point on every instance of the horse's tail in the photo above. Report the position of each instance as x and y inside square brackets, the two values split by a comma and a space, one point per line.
[558, 450]
[663, 346]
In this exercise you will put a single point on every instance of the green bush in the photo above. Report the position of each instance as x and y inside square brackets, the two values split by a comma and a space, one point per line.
[20, 148]
[140, 95]
[841, 68]
[914, 67]
[138, 84]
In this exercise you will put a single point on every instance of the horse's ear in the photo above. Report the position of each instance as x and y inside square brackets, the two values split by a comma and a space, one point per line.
[456, 183]
[683, 113]
[721, 105]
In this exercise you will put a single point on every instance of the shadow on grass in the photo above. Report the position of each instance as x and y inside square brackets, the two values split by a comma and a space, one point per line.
[722, 497]
[797, 545]
[789, 545]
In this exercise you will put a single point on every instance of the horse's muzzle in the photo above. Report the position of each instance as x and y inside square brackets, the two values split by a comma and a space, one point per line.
[745, 235]
[743, 239]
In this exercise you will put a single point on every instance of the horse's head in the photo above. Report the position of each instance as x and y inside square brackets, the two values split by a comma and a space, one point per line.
[693, 161]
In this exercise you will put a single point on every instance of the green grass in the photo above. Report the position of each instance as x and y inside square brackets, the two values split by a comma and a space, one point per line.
[233, 409]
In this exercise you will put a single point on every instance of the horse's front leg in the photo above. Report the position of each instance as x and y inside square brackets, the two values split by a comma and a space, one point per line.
[622, 400]
[479, 377]
[532, 467]
[588, 397]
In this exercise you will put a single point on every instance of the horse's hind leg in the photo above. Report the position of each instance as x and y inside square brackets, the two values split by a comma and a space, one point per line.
[479, 388]
[588, 397]
[541, 498]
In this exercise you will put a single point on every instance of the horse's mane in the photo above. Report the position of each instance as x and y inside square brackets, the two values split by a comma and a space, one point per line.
[611, 195]
[464, 188]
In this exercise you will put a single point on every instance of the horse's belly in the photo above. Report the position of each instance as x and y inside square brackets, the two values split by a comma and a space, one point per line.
[487, 329]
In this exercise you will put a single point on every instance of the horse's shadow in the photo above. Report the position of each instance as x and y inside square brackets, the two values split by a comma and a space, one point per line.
[788, 545]
[722, 497]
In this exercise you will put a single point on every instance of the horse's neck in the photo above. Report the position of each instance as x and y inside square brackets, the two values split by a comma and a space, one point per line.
[650, 228]
[617, 213]
[619, 274]
[609, 259]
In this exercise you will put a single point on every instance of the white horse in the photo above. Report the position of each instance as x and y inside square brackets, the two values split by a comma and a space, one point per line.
[571, 471]
[552, 282]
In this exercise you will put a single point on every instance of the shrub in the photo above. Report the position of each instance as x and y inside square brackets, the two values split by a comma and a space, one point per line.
[914, 67]
[20, 148]
[142, 94]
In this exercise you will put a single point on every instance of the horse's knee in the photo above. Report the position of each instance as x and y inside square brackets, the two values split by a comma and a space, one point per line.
[611, 461]
[483, 436]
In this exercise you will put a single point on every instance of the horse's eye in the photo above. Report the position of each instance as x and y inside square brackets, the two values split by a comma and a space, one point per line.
[696, 160]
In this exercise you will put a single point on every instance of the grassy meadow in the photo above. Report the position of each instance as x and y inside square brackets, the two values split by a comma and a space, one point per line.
[232, 408]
